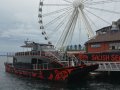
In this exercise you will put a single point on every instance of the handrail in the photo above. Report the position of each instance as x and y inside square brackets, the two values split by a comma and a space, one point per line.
[40, 53]
[42, 66]
[73, 57]
[57, 54]
[106, 66]
[25, 53]
[10, 54]
[51, 54]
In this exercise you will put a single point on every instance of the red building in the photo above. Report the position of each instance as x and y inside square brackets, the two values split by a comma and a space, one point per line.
[107, 39]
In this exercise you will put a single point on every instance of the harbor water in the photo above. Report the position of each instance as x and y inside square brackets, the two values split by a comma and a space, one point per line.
[13, 82]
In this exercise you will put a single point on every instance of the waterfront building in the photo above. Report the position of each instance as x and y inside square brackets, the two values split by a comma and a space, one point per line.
[107, 39]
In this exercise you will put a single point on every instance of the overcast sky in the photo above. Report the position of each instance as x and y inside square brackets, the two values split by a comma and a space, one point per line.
[18, 21]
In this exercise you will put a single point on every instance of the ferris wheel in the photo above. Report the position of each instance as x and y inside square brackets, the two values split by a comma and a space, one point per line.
[61, 20]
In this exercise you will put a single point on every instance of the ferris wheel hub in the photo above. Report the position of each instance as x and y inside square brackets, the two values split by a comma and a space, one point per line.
[78, 4]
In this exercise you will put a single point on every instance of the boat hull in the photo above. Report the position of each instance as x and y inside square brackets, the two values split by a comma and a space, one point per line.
[62, 74]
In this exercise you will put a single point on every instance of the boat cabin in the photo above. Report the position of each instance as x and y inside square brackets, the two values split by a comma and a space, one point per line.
[40, 56]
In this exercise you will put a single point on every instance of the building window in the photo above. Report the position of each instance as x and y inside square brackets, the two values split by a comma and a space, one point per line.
[34, 61]
[114, 46]
[14, 60]
[95, 45]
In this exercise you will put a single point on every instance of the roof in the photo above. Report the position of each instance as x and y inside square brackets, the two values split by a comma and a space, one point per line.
[107, 37]
[109, 27]
[104, 29]
[32, 44]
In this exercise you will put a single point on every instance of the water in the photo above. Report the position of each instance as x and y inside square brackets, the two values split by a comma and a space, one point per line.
[13, 82]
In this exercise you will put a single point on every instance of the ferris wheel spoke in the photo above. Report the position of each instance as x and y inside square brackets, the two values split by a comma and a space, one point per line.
[81, 18]
[87, 24]
[59, 25]
[56, 19]
[109, 11]
[79, 27]
[87, 0]
[57, 11]
[84, 1]
[67, 29]
[70, 34]
[69, 38]
[57, 4]
[59, 42]
[91, 21]
[67, 1]
[102, 2]
[98, 17]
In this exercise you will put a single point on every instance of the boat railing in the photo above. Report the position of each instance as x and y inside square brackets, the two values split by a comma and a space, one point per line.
[29, 53]
[8, 63]
[73, 58]
[44, 66]
[69, 63]
[105, 66]
[10, 54]
[55, 54]
[26, 53]
[50, 54]
[58, 54]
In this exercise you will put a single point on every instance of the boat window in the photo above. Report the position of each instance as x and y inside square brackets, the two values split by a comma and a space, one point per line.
[47, 48]
[34, 61]
[113, 47]
[14, 60]
[45, 65]
[40, 61]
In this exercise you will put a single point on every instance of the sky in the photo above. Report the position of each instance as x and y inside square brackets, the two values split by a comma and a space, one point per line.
[19, 22]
